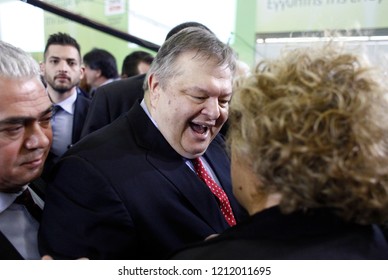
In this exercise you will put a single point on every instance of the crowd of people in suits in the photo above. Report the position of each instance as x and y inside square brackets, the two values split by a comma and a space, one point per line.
[143, 172]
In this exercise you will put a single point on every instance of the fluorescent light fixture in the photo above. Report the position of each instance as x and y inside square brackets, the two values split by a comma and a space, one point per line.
[378, 38]
[319, 39]
[352, 38]
[260, 41]
[292, 40]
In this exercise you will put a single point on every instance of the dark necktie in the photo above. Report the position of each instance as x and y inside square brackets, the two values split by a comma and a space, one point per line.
[26, 199]
[224, 203]
[57, 108]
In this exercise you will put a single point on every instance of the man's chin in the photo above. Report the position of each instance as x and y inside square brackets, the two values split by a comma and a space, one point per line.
[61, 89]
[194, 152]
[32, 174]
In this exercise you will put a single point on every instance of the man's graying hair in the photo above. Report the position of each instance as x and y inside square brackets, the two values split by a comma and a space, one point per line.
[204, 43]
[16, 63]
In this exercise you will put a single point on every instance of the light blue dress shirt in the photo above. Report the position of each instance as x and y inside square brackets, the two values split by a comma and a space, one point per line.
[62, 125]
[20, 228]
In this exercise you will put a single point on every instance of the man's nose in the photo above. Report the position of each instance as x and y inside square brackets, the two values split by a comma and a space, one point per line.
[212, 108]
[63, 65]
[36, 137]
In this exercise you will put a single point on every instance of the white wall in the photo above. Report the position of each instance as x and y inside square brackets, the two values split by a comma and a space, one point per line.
[22, 25]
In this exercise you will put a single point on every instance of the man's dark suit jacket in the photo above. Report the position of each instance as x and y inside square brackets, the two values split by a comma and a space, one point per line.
[111, 101]
[81, 108]
[122, 192]
[270, 235]
[7, 250]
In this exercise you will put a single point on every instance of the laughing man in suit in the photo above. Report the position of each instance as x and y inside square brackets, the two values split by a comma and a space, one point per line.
[116, 98]
[129, 189]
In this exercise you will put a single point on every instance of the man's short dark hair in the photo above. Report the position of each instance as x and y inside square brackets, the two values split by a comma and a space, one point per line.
[62, 39]
[132, 60]
[100, 59]
[184, 25]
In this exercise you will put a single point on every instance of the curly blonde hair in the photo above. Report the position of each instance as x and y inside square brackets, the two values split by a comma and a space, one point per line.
[314, 124]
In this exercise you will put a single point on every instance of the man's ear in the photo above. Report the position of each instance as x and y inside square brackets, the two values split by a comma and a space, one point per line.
[82, 71]
[154, 90]
[98, 73]
[42, 67]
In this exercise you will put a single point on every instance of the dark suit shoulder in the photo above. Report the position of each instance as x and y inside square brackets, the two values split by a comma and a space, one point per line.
[111, 101]
[123, 86]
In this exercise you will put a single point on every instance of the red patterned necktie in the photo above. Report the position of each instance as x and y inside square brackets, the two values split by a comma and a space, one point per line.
[26, 199]
[225, 207]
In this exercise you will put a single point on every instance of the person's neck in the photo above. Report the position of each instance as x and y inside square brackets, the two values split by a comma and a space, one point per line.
[269, 201]
[57, 97]
[100, 81]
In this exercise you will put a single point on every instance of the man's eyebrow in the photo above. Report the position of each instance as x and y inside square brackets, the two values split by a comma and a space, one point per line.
[16, 120]
[23, 119]
[64, 58]
[197, 89]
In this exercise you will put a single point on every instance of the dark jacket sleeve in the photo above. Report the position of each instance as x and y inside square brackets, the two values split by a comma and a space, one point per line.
[77, 218]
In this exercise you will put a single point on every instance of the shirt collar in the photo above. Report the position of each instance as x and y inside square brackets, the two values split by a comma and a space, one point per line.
[108, 81]
[6, 199]
[68, 104]
[144, 106]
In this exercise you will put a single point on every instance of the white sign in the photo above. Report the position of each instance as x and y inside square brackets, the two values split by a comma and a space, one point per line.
[114, 7]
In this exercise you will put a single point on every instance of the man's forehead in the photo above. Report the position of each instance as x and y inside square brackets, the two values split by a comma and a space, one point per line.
[63, 52]
[15, 114]
[29, 94]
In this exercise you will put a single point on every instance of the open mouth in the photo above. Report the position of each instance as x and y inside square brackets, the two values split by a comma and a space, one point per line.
[201, 129]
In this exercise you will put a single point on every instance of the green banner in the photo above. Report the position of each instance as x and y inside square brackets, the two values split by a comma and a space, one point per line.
[112, 13]
[318, 15]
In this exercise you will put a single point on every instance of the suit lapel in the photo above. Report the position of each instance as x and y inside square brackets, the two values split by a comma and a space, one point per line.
[39, 187]
[191, 187]
[80, 111]
[8, 251]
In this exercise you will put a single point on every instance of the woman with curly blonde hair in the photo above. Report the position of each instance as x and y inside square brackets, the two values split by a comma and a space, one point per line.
[309, 143]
